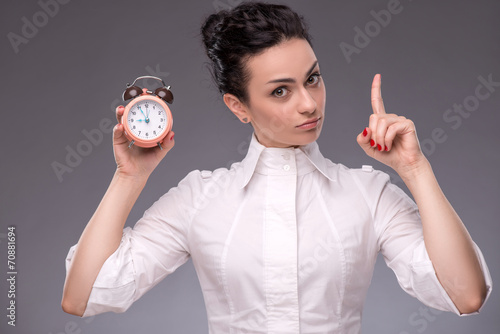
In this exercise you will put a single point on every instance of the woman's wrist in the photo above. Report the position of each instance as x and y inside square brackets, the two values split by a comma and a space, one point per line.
[134, 180]
[415, 171]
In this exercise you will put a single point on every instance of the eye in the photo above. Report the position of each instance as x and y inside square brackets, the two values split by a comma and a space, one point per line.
[280, 92]
[313, 79]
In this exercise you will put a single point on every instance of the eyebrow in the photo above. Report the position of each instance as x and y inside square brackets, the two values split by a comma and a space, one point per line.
[292, 80]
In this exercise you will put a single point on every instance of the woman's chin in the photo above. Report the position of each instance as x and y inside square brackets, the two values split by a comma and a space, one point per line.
[291, 140]
[306, 138]
[310, 136]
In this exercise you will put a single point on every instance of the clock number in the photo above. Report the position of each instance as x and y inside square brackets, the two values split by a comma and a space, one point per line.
[147, 105]
[131, 119]
[133, 127]
[133, 113]
[154, 105]
[154, 132]
[159, 126]
[147, 134]
[139, 132]
[161, 119]
[159, 112]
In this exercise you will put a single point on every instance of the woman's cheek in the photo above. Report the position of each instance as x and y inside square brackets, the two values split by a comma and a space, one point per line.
[276, 122]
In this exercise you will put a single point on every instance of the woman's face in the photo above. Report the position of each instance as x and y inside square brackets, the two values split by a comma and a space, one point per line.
[286, 95]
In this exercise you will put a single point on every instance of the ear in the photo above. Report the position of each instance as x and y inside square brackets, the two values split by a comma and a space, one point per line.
[237, 107]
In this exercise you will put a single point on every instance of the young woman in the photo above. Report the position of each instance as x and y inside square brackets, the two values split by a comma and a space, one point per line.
[284, 241]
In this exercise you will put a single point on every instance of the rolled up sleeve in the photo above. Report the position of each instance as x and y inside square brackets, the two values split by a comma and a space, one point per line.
[401, 242]
[426, 286]
[154, 248]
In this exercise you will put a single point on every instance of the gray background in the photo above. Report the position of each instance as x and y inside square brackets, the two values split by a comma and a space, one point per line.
[69, 76]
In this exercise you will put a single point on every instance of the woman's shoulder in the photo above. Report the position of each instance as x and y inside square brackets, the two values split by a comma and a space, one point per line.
[202, 178]
[366, 179]
[365, 175]
[193, 189]
[374, 185]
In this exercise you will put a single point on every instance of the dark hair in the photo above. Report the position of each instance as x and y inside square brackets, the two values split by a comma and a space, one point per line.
[231, 37]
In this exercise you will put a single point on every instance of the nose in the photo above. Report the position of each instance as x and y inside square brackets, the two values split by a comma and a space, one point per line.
[307, 104]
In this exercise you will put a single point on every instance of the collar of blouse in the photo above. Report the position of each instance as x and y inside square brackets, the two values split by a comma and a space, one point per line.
[256, 150]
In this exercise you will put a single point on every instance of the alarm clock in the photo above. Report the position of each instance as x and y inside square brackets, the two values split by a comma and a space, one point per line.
[147, 118]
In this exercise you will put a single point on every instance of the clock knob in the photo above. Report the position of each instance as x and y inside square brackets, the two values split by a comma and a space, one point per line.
[131, 92]
[165, 94]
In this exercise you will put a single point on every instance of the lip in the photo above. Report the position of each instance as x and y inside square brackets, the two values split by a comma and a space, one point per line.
[310, 124]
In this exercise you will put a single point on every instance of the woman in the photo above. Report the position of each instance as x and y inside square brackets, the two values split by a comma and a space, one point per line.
[284, 241]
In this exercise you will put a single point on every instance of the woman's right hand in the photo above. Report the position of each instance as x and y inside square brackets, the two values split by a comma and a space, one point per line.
[137, 161]
[104, 231]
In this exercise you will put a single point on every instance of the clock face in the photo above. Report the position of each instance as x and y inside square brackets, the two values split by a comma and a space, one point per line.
[147, 119]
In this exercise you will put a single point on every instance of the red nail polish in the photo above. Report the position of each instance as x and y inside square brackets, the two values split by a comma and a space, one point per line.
[372, 142]
[172, 138]
[365, 132]
[379, 147]
[386, 148]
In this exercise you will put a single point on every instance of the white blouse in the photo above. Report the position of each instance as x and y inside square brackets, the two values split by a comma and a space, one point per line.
[284, 241]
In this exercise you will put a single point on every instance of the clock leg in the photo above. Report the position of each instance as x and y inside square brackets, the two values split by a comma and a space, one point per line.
[159, 144]
[131, 143]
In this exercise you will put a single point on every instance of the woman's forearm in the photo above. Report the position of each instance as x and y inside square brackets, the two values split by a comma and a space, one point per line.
[100, 238]
[447, 241]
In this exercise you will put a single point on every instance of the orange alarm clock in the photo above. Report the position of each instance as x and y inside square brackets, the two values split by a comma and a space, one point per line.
[147, 118]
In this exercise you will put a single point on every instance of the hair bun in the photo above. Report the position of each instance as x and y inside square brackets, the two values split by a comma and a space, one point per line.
[211, 28]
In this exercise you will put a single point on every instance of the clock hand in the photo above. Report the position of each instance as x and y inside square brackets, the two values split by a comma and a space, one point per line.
[146, 118]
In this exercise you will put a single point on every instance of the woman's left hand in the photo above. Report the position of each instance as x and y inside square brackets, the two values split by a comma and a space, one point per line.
[389, 138]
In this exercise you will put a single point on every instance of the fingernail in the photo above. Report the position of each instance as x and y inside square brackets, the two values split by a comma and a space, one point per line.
[372, 142]
[365, 132]
[386, 148]
[172, 138]
[379, 147]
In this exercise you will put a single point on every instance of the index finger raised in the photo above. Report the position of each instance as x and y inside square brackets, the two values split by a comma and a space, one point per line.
[377, 102]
